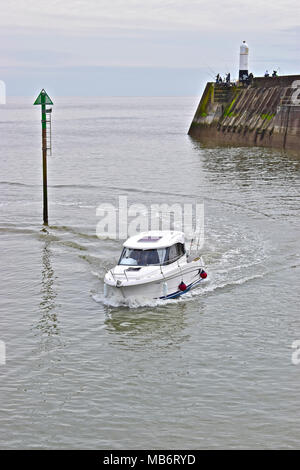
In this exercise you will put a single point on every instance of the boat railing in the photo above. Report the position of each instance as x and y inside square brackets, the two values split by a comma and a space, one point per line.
[179, 267]
[161, 271]
[119, 274]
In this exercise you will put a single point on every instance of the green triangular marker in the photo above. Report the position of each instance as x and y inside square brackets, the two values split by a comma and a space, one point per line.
[43, 98]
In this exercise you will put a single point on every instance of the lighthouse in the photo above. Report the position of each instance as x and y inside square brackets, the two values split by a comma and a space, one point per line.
[244, 55]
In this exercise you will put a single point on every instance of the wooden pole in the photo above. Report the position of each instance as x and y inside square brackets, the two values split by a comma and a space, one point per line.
[44, 150]
[43, 100]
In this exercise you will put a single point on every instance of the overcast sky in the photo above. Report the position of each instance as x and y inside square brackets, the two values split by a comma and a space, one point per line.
[128, 47]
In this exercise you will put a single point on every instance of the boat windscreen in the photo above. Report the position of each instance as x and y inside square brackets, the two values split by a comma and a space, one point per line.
[135, 257]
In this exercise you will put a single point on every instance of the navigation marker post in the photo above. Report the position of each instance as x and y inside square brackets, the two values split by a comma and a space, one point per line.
[43, 100]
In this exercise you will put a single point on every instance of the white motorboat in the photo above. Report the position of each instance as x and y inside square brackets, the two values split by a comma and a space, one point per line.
[154, 265]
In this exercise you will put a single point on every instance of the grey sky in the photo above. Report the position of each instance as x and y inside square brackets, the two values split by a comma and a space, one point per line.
[42, 38]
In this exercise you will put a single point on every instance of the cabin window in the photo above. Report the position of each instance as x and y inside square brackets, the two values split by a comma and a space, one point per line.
[135, 257]
[175, 252]
[172, 253]
[180, 249]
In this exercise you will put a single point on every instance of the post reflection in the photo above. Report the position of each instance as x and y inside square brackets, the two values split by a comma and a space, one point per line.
[48, 322]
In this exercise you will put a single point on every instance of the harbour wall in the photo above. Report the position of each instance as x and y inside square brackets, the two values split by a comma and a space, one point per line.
[265, 113]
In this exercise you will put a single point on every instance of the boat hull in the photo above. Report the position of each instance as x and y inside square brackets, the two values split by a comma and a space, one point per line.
[167, 287]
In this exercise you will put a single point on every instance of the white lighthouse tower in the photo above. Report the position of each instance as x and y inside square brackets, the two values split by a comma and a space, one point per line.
[244, 58]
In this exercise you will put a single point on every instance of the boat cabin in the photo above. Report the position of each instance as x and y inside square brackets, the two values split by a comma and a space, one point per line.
[153, 248]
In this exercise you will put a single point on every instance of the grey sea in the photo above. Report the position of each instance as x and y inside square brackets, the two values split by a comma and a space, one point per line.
[215, 369]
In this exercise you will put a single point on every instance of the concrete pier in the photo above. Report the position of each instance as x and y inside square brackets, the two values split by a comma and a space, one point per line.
[265, 113]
